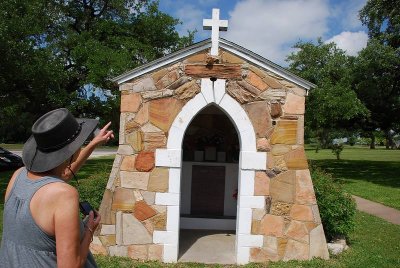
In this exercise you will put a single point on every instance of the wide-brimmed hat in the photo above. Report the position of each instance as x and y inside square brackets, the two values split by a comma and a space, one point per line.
[56, 136]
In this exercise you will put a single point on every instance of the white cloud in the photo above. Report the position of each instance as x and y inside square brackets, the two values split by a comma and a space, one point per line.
[351, 42]
[271, 27]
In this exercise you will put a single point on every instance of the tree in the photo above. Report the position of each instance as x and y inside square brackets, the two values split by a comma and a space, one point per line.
[382, 17]
[377, 82]
[53, 52]
[333, 106]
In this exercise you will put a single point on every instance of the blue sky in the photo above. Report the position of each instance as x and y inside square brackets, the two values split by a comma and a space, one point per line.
[271, 27]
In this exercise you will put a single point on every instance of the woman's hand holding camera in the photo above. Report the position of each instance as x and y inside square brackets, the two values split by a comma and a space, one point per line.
[92, 222]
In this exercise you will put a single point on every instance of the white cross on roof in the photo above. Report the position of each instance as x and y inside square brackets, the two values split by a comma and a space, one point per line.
[215, 25]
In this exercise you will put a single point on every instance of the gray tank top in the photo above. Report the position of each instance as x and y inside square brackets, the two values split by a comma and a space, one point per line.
[24, 243]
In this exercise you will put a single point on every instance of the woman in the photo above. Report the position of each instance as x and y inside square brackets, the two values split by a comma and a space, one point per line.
[41, 226]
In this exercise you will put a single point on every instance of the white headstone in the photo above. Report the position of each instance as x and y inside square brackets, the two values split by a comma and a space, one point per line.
[215, 25]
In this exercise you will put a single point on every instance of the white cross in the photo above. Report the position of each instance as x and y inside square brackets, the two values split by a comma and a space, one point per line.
[215, 25]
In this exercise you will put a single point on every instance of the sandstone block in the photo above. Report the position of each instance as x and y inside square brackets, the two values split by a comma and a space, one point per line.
[146, 84]
[250, 88]
[130, 102]
[135, 140]
[128, 163]
[282, 243]
[142, 116]
[157, 94]
[272, 225]
[159, 74]
[301, 213]
[125, 149]
[159, 221]
[107, 229]
[255, 227]
[230, 58]
[105, 207]
[149, 226]
[260, 117]
[294, 104]
[271, 247]
[155, 252]
[137, 252]
[272, 82]
[258, 255]
[133, 232]
[158, 181]
[261, 183]
[280, 149]
[285, 132]
[120, 251]
[131, 126]
[282, 187]
[258, 213]
[296, 251]
[297, 231]
[162, 112]
[98, 249]
[256, 81]
[280, 208]
[276, 110]
[154, 140]
[239, 94]
[145, 161]
[108, 240]
[318, 247]
[304, 188]
[296, 159]
[188, 90]
[149, 197]
[199, 57]
[134, 180]
[142, 211]
[123, 199]
[263, 145]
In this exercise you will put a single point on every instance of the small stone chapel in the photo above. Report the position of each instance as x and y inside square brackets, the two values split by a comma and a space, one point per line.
[211, 137]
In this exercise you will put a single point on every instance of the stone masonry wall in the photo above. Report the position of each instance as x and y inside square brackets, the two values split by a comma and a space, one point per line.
[289, 222]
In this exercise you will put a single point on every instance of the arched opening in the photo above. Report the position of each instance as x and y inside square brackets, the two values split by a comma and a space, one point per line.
[209, 188]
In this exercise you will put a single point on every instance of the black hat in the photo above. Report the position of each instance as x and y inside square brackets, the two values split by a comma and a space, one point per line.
[56, 136]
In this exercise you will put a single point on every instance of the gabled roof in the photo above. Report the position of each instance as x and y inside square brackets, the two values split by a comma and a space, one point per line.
[224, 44]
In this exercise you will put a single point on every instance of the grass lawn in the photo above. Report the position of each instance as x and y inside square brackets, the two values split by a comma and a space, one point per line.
[371, 174]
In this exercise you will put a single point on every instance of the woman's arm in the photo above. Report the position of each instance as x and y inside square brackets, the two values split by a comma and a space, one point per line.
[71, 250]
[102, 137]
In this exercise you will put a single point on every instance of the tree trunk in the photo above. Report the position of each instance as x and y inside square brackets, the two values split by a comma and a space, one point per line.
[372, 144]
[389, 140]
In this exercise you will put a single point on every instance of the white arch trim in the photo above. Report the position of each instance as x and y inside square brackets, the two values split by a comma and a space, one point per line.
[249, 161]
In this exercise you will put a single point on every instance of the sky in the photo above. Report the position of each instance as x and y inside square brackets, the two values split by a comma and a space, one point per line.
[270, 28]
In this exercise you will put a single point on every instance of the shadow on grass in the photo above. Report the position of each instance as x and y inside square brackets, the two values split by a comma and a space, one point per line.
[377, 172]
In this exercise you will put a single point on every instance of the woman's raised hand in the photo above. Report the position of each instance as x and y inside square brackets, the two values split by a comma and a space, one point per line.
[103, 136]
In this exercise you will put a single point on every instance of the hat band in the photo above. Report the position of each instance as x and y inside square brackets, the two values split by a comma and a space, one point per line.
[61, 145]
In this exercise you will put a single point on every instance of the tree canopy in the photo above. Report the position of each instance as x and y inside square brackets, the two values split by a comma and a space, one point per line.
[56, 53]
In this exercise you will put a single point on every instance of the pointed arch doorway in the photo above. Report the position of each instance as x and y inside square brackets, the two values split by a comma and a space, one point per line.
[212, 93]
[209, 187]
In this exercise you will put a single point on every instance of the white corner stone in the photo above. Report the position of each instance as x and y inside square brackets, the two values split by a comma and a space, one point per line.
[253, 160]
[173, 218]
[170, 253]
[168, 157]
[175, 137]
[248, 140]
[243, 255]
[207, 90]
[165, 237]
[244, 220]
[250, 240]
[168, 199]
[174, 183]
[246, 186]
[252, 201]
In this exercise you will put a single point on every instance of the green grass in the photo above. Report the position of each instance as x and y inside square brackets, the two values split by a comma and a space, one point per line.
[371, 174]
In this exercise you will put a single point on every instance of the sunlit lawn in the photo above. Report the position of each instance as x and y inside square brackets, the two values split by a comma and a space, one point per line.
[371, 174]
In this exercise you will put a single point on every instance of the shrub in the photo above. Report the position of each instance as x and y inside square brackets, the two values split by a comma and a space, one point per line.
[337, 150]
[337, 208]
